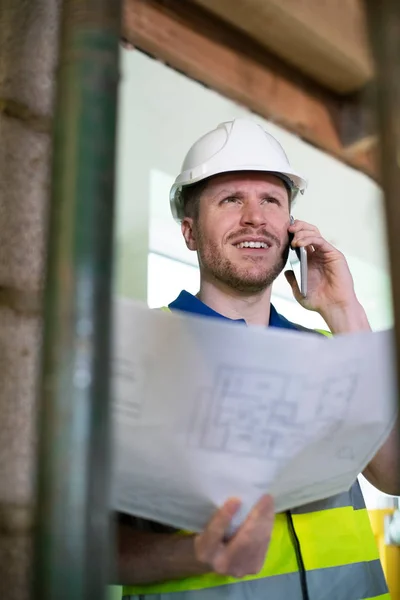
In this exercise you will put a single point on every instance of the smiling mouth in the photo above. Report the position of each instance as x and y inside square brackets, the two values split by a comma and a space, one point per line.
[253, 245]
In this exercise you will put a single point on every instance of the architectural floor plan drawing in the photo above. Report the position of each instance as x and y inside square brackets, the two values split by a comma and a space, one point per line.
[232, 410]
[265, 413]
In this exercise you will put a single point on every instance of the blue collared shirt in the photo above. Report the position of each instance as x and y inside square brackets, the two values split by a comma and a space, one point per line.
[186, 302]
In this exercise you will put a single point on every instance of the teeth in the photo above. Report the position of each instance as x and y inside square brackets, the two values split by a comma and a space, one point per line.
[252, 245]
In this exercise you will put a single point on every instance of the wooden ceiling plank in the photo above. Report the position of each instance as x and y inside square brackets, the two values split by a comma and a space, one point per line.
[325, 40]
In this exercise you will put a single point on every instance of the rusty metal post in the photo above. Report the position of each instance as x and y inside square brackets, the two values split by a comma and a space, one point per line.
[73, 542]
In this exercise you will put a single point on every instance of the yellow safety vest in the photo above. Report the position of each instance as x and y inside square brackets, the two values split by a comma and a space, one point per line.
[327, 546]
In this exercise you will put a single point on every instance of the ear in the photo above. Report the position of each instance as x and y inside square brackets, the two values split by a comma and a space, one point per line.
[188, 232]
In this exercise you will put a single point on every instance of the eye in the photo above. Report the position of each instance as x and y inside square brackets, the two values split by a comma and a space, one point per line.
[272, 200]
[230, 200]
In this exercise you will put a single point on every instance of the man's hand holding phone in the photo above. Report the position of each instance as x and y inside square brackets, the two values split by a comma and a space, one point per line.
[298, 262]
[330, 286]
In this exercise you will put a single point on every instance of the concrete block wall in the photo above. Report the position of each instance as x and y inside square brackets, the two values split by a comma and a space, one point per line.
[28, 52]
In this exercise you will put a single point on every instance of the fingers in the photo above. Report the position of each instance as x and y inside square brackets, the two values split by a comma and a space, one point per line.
[306, 239]
[245, 553]
[308, 236]
[303, 226]
[291, 279]
[209, 543]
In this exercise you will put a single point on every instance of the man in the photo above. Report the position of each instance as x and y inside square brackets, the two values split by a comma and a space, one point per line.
[233, 199]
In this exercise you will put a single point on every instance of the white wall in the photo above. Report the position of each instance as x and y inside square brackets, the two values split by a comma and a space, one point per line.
[161, 113]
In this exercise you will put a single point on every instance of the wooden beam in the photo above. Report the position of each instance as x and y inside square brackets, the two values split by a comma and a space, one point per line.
[325, 40]
[206, 49]
[384, 26]
[358, 118]
[364, 156]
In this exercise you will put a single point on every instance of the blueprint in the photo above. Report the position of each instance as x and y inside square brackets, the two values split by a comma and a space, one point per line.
[206, 409]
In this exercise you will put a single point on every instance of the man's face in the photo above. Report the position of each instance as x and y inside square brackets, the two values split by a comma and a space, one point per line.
[241, 233]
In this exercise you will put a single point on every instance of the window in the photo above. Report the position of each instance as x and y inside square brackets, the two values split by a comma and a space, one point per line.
[167, 277]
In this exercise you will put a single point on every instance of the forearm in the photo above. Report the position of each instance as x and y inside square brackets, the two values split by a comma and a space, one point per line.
[147, 557]
[347, 319]
[384, 469]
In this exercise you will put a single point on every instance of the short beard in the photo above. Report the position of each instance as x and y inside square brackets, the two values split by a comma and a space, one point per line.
[224, 271]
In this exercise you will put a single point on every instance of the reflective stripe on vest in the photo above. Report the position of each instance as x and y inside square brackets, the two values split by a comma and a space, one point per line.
[348, 582]
[338, 549]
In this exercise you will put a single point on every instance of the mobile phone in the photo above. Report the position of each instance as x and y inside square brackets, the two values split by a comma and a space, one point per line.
[298, 262]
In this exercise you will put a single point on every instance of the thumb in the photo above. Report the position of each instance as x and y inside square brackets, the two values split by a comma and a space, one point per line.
[291, 279]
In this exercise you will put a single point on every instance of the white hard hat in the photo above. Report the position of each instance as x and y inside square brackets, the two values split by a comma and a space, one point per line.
[238, 145]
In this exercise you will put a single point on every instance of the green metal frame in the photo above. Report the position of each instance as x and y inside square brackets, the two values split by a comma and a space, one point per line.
[72, 542]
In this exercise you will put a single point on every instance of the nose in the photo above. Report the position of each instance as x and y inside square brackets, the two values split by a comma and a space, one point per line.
[253, 214]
